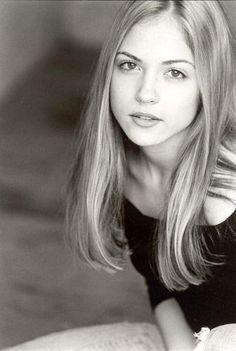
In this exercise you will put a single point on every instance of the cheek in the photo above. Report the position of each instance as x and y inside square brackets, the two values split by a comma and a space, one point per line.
[186, 102]
[118, 97]
[193, 104]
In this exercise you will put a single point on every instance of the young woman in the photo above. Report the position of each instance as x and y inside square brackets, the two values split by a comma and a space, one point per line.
[155, 169]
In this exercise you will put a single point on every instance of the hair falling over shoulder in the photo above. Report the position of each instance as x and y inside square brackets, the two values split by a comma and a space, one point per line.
[207, 162]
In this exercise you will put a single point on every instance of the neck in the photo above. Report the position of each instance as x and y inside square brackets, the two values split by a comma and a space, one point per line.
[161, 159]
[157, 161]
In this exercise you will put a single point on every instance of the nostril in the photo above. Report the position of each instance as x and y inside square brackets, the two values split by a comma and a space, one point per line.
[147, 91]
[147, 96]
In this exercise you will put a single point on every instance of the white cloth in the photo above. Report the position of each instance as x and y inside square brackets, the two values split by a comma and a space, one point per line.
[201, 337]
[222, 338]
[113, 337]
[123, 337]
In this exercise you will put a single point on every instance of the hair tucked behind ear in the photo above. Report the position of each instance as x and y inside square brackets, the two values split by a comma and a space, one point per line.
[206, 164]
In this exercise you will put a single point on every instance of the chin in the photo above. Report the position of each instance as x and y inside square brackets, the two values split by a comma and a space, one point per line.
[143, 142]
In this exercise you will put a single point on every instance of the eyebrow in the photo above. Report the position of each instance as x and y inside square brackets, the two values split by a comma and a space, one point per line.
[168, 62]
[129, 55]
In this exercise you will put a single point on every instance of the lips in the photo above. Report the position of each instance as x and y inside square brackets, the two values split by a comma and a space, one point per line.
[145, 116]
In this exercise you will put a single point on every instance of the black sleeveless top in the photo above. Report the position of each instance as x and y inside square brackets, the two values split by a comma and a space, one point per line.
[210, 304]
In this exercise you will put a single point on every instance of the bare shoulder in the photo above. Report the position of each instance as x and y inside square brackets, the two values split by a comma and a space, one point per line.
[217, 210]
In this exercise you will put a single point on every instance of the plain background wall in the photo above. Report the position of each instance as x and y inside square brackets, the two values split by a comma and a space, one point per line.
[28, 30]
[89, 21]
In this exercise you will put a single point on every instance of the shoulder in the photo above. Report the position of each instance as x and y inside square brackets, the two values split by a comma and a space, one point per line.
[218, 209]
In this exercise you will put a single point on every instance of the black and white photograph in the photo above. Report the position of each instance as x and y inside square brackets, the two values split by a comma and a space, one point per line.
[118, 175]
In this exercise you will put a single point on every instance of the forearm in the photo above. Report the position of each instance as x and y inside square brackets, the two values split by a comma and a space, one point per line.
[175, 330]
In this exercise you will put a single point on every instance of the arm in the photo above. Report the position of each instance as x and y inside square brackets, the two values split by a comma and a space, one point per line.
[175, 330]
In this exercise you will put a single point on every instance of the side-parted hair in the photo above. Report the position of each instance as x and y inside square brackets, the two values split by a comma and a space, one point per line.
[206, 164]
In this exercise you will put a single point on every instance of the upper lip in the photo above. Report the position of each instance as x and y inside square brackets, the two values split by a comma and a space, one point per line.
[143, 114]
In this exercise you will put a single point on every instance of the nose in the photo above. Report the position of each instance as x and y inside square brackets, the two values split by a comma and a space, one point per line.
[147, 90]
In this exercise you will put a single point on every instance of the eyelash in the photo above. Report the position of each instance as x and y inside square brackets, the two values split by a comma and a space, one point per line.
[122, 67]
[182, 75]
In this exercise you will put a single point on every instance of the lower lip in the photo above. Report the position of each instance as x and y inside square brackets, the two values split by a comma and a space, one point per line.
[145, 123]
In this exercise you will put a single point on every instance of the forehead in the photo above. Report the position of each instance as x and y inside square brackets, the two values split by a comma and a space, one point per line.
[161, 37]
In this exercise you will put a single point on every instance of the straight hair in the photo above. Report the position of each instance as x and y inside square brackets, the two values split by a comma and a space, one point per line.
[206, 164]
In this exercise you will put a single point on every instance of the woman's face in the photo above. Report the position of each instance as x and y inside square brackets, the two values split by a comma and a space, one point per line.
[154, 92]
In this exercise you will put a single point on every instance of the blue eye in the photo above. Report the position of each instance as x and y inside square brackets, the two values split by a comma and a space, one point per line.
[128, 66]
[176, 74]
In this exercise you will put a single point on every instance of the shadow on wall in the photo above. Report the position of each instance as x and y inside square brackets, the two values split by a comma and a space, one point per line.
[47, 100]
[29, 30]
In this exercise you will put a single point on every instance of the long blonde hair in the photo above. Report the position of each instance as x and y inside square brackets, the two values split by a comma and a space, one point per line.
[95, 196]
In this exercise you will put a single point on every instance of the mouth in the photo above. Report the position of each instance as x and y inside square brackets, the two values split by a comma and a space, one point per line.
[145, 116]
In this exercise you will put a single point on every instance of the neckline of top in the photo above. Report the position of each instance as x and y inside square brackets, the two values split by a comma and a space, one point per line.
[226, 221]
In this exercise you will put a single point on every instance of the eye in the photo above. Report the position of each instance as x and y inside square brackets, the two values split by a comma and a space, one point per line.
[176, 74]
[128, 66]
